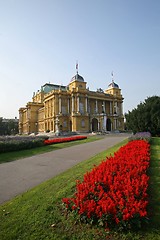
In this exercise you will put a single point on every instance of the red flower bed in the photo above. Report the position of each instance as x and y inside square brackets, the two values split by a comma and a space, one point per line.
[115, 192]
[64, 139]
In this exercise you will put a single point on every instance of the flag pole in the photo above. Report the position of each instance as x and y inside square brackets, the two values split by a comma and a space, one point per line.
[112, 76]
[77, 67]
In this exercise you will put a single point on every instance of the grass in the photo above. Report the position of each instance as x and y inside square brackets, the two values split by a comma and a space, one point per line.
[39, 214]
[154, 188]
[12, 156]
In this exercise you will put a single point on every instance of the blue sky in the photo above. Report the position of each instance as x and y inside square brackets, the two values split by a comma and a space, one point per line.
[41, 40]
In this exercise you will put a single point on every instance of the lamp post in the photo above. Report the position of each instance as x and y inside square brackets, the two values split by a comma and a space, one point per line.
[104, 118]
[29, 129]
[36, 124]
[57, 133]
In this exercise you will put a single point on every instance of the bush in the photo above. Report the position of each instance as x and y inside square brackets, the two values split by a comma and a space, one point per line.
[141, 136]
[8, 144]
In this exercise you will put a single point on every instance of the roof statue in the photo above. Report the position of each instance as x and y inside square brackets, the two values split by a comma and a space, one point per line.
[113, 84]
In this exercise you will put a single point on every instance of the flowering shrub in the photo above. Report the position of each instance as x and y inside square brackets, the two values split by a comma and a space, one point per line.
[141, 135]
[114, 194]
[16, 143]
[64, 139]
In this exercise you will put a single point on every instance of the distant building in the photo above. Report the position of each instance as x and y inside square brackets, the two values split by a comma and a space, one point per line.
[7, 120]
[73, 108]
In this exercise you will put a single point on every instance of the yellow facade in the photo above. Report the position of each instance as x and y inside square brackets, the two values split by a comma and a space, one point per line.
[73, 108]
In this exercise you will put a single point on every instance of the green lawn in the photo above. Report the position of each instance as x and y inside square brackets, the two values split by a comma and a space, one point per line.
[11, 156]
[39, 214]
[154, 189]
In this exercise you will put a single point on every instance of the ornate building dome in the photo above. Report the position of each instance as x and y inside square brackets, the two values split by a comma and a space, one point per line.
[113, 85]
[78, 78]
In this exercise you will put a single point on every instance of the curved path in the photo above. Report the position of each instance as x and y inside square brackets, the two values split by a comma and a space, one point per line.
[19, 176]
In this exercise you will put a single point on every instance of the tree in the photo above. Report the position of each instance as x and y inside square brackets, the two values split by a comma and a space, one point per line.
[8, 126]
[146, 117]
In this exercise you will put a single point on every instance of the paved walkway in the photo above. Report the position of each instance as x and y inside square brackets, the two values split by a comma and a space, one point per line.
[19, 176]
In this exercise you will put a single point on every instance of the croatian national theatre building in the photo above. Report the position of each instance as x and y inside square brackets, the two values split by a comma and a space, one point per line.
[73, 108]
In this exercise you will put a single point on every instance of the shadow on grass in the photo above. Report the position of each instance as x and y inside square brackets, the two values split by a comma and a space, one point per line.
[154, 185]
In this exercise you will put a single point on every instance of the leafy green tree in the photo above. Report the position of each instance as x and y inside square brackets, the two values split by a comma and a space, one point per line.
[8, 126]
[1, 126]
[146, 117]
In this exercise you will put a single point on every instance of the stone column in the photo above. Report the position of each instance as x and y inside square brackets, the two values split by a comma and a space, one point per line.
[115, 124]
[116, 108]
[121, 108]
[78, 104]
[104, 110]
[72, 103]
[98, 126]
[104, 122]
[68, 106]
[60, 105]
[96, 106]
[86, 104]
[53, 106]
[111, 108]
